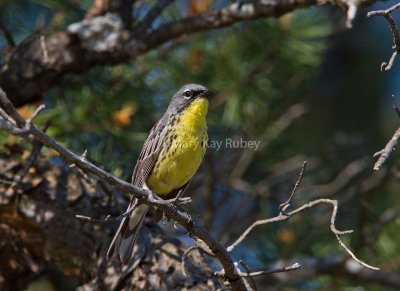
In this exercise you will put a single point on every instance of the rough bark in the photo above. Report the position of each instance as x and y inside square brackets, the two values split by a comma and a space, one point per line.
[40, 62]
[40, 238]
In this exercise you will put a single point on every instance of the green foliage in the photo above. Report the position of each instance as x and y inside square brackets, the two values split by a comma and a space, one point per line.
[254, 64]
[259, 69]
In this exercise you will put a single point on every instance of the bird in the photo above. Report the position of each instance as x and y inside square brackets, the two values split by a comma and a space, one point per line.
[171, 155]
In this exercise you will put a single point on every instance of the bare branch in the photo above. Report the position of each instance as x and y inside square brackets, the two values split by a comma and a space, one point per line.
[185, 257]
[9, 109]
[69, 52]
[385, 153]
[283, 217]
[156, 200]
[390, 146]
[337, 234]
[108, 218]
[6, 125]
[40, 108]
[383, 12]
[395, 33]
[387, 66]
[351, 13]
[44, 49]
[285, 205]
[231, 273]
[36, 148]
[248, 276]
[293, 267]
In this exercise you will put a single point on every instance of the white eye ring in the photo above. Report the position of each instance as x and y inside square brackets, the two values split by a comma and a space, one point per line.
[187, 94]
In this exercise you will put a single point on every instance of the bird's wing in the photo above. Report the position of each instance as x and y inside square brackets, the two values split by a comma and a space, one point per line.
[149, 154]
[125, 237]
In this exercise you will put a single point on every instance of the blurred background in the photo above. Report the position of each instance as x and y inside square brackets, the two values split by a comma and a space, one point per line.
[304, 85]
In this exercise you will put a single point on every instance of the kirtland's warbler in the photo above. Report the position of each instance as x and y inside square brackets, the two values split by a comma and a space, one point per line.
[171, 155]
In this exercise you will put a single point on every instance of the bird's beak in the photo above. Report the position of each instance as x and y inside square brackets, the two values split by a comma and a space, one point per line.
[207, 94]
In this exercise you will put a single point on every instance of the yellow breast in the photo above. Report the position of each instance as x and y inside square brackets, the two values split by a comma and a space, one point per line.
[183, 150]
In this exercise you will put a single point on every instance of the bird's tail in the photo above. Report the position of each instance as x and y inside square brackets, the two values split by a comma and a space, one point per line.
[125, 238]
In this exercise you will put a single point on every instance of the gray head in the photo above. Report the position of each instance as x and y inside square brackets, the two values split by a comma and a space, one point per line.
[186, 95]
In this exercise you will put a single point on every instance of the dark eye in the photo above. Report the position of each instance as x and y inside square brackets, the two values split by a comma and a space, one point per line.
[187, 94]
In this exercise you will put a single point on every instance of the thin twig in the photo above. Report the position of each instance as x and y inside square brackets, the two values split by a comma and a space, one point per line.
[385, 153]
[40, 108]
[352, 254]
[36, 148]
[108, 218]
[10, 110]
[185, 258]
[5, 181]
[395, 33]
[390, 146]
[44, 48]
[156, 200]
[387, 66]
[248, 273]
[83, 157]
[293, 267]
[394, 29]
[285, 205]
[6, 125]
[383, 12]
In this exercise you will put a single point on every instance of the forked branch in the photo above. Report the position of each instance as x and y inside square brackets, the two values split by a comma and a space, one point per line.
[283, 215]
[390, 146]
[395, 33]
